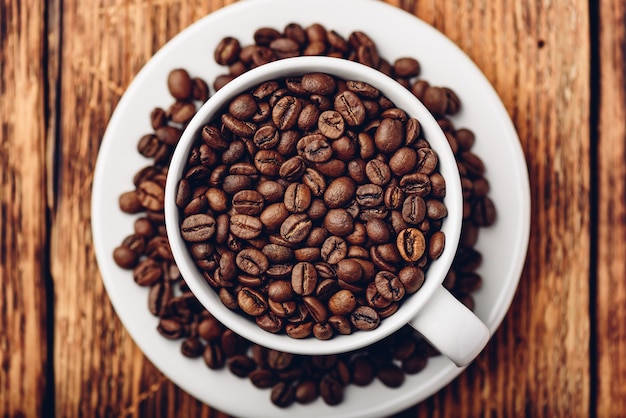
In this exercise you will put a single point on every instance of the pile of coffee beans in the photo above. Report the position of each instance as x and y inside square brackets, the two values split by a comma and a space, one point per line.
[292, 378]
[313, 205]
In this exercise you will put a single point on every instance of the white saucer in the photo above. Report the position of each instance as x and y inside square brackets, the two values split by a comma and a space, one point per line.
[397, 34]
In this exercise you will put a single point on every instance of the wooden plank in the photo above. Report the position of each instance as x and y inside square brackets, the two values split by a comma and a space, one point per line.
[536, 54]
[611, 287]
[23, 222]
[115, 379]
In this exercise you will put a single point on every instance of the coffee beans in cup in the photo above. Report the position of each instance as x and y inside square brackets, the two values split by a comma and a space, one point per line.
[293, 186]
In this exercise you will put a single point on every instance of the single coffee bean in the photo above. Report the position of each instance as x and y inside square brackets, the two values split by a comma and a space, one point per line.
[282, 394]
[484, 212]
[427, 160]
[378, 172]
[248, 202]
[304, 278]
[369, 195]
[316, 308]
[339, 192]
[227, 51]
[292, 169]
[390, 375]
[435, 209]
[306, 391]
[338, 222]
[411, 244]
[349, 270]
[245, 226]
[389, 135]
[299, 330]
[274, 215]
[151, 195]
[416, 184]
[197, 228]
[342, 303]
[269, 322]
[436, 245]
[179, 84]
[365, 318]
[319, 83]
[285, 112]
[331, 390]
[413, 209]
[262, 378]
[315, 181]
[334, 249]
[297, 197]
[403, 161]
[170, 329]
[252, 261]
[251, 301]
[406, 67]
[317, 151]
[389, 286]
[412, 278]
[124, 257]
[363, 371]
[271, 191]
[323, 331]
[296, 228]
[277, 253]
[350, 107]
[331, 124]
[378, 231]
[268, 162]
[214, 356]
[266, 137]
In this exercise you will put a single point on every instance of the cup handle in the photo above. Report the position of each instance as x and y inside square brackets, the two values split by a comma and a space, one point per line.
[451, 328]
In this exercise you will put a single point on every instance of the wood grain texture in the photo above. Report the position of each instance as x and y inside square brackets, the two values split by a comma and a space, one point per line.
[23, 222]
[611, 286]
[536, 55]
[114, 379]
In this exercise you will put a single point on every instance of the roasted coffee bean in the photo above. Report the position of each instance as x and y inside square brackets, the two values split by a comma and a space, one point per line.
[252, 261]
[338, 222]
[349, 270]
[285, 112]
[296, 228]
[334, 249]
[192, 348]
[342, 303]
[389, 135]
[274, 215]
[378, 172]
[435, 209]
[125, 257]
[306, 391]
[483, 212]
[317, 309]
[323, 331]
[262, 378]
[411, 244]
[197, 228]
[179, 84]
[315, 181]
[331, 124]
[282, 394]
[269, 322]
[403, 161]
[417, 184]
[245, 226]
[436, 245]
[389, 286]
[227, 51]
[365, 318]
[304, 278]
[268, 162]
[369, 195]
[299, 330]
[413, 209]
[214, 356]
[297, 197]
[412, 278]
[350, 107]
[390, 375]
[170, 329]
[248, 202]
[317, 151]
[363, 371]
[427, 160]
[251, 301]
[378, 231]
[331, 390]
[318, 83]
[339, 192]
[271, 191]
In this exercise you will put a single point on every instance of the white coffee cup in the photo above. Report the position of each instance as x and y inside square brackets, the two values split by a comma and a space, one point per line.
[445, 322]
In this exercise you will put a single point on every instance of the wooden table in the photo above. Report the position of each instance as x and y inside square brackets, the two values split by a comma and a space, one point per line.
[559, 68]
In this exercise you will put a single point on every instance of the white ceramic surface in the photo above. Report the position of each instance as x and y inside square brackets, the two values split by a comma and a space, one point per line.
[503, 245]
[446, 323]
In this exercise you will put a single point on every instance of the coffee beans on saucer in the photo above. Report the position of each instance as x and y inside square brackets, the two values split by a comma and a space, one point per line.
[291, 378]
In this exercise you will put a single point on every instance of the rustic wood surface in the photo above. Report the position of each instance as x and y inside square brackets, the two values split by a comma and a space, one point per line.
[559, 69]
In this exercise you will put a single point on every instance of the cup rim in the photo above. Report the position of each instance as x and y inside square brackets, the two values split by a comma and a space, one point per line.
[451, 226]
